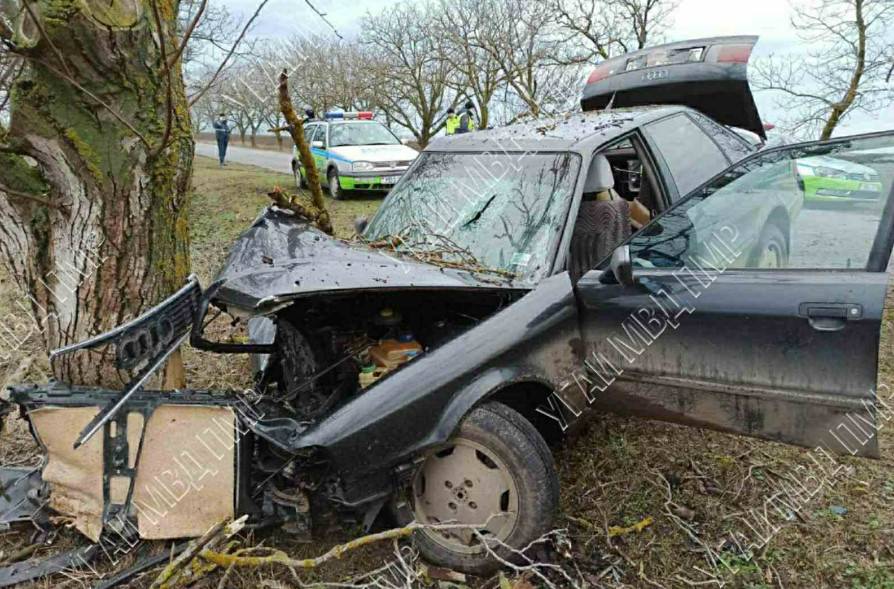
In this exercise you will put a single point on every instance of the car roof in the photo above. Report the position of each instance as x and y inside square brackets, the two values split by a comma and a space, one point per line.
[581, 132]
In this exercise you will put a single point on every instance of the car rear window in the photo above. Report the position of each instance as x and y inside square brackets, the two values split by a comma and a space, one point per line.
[691, 156]
[732, 145]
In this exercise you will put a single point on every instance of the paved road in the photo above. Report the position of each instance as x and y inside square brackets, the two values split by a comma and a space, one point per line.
[278, 161]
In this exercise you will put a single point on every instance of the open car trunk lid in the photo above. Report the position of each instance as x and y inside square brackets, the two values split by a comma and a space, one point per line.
[708, 75]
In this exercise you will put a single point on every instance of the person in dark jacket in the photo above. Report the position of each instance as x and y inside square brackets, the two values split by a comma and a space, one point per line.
[467, 116]
[222, 130]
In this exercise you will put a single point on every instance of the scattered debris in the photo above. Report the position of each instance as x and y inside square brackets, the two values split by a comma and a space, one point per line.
[442, 574]
[615, 531]
[684, 512]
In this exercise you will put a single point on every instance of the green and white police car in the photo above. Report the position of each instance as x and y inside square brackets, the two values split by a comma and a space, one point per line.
[353, 152]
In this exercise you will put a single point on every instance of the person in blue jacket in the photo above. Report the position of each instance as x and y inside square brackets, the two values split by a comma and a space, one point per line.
[222, 130]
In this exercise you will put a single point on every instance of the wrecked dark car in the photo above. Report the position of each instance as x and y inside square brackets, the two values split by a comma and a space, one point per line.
[513, 281]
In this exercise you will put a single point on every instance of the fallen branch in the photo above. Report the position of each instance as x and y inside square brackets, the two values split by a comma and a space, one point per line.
[242, 558]
[306, 210]
[248, 557]
[169, 575]
[296, 130]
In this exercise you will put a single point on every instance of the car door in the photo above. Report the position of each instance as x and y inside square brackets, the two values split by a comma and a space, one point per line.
[747, 310]
[319, 153]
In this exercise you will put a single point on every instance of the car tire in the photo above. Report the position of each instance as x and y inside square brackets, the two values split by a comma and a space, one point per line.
[335, 190]
[771, 250]
[498, 459]
[300, 182]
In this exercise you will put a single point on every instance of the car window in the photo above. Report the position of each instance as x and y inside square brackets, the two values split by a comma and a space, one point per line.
[806, 207]
[501, 211]
[319, 134]
[689, 153]
[734, 146]
[370, 133]
[309, 131]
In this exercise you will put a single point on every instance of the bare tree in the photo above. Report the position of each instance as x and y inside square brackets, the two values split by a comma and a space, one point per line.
[611, 27]
[526, 42]
[213, 28]
[642, 21]
[95, 166]
[842, 71]
[412, 69]
[459, 22]
[334, 73]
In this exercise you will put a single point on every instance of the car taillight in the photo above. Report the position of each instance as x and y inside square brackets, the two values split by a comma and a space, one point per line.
[600, 73]
[734, 53]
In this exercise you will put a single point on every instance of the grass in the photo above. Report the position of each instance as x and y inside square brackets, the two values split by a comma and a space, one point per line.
[612, 473]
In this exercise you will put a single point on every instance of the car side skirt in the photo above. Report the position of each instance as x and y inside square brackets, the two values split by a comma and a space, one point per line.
[837, 424]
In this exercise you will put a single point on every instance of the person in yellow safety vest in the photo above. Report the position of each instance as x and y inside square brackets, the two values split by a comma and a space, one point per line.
[452, 121]
[467, 119]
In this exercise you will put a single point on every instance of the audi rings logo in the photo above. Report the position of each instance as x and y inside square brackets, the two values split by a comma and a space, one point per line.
[144, 342]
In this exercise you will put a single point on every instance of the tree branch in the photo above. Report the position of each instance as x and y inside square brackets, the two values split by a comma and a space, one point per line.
[43, 34]
[169, 99]
[41, 199]
[322, 15]
[187, 34]
[195, 97]
[296, 130]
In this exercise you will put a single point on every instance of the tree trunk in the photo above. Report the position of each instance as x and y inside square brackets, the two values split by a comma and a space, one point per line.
[105, 235]
[850, 95]
[278, 140]
[254, 141]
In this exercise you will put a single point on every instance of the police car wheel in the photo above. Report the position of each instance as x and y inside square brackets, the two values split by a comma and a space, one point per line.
[334, 187]
[300, 182]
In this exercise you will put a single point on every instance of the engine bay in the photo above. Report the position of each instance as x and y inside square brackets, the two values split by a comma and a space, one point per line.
[333, 349]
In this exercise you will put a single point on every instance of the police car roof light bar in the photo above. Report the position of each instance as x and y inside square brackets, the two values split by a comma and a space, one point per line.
[364, 115]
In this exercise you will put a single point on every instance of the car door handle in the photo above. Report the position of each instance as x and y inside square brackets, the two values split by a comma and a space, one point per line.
[830, 316]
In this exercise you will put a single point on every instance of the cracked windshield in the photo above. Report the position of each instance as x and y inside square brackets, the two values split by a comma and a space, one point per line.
[494, 213]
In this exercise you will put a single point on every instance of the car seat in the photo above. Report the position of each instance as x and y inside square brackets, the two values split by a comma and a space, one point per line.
[603, 220]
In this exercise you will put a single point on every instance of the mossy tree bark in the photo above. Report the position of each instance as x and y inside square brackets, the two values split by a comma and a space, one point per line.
[94, 172]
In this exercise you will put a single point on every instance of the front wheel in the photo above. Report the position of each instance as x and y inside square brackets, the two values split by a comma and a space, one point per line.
[335, 190]
[496, 473]
[300, 182]
[772, 249]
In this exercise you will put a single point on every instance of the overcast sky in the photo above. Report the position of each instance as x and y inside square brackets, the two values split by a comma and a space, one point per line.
[693, 18]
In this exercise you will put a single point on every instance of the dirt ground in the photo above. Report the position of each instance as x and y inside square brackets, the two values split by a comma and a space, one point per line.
[644, 504]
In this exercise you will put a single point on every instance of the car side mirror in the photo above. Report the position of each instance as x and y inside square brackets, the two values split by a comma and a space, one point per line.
[360, 224]
[622, 266]
[319, 144]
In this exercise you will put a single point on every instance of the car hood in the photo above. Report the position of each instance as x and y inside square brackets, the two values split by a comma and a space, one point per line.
[281, 257]
[709, 75]
[837, 164]
[376, 153]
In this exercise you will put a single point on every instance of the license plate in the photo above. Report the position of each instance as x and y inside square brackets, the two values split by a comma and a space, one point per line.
[390, 179]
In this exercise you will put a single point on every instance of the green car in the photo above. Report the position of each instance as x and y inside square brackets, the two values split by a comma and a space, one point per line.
[828, 179]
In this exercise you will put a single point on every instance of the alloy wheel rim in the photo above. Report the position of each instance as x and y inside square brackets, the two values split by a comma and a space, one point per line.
[467, 484]
[333, 186]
